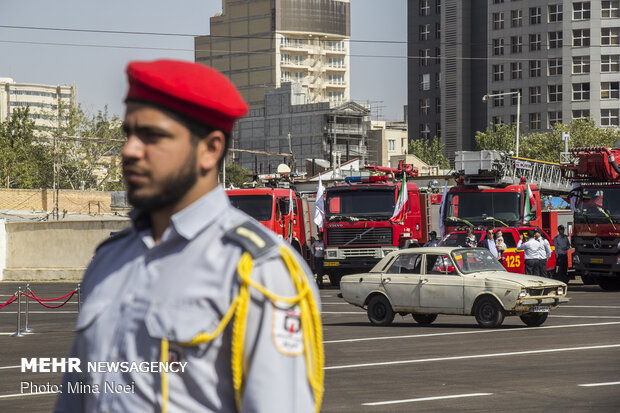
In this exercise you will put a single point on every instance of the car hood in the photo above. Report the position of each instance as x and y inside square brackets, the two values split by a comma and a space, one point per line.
[524, 280]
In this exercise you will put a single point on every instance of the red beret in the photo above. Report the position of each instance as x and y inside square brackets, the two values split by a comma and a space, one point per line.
[191, 89]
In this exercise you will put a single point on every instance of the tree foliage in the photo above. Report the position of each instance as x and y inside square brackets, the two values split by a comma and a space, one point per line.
[546, 146]
[236, 175]
[25, 161]
[429, 151]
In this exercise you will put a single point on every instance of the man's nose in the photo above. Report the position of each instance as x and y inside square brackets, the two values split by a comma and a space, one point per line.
[133, 148]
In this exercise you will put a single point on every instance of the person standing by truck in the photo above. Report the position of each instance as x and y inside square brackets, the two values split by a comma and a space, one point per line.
[544, 253]
[562, 244]
[530, 253]
[318, 250]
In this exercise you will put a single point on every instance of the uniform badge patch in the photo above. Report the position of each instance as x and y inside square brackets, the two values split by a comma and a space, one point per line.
[286, 329]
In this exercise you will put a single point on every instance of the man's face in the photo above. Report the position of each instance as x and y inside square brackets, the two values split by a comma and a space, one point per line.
[159, 159]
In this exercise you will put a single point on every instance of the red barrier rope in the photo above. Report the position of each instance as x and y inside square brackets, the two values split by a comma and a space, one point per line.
[40, 301]
[50, 299]
[9, 301]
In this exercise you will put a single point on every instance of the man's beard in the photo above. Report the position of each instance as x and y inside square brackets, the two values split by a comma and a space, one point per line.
[172, 189]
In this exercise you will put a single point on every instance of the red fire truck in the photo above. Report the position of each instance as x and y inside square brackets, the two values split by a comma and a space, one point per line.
[270, 206]
[358, 231]
[596, 233]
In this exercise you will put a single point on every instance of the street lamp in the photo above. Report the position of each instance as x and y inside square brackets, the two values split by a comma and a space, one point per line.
[518, 93]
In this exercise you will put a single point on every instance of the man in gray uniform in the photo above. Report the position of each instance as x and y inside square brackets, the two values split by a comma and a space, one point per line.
[196, 307]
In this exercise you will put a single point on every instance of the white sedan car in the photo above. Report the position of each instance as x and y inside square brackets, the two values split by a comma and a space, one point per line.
[445, 280]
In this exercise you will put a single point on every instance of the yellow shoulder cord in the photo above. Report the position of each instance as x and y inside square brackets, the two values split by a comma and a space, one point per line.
[310, 321]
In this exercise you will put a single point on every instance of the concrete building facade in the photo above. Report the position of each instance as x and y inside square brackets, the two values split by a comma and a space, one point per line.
[264, 43]
[45, 101]
[336, 132]
[385, 141]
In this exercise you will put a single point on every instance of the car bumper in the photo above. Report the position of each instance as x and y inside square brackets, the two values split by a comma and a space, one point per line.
[526, 304]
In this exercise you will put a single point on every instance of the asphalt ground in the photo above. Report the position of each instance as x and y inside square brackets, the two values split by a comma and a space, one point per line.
[570, 364]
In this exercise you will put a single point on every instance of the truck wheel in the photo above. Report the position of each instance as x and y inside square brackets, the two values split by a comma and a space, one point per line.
[424, 319]
[380, 311]
[488, 312]
[534, 319]
[609, 284]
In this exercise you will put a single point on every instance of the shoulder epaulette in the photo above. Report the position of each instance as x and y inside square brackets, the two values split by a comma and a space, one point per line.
[252, 237]
[113, 237]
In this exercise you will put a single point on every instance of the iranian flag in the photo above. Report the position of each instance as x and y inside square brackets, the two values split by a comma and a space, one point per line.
[290, 216]
[402, 203]
[530, 204]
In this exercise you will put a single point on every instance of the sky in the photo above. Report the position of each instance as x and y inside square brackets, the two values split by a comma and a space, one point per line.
[34, 50]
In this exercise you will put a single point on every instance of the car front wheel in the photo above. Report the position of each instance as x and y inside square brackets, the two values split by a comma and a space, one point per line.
[424, 319]
[534, 319]
[489, 314]
[380, 311]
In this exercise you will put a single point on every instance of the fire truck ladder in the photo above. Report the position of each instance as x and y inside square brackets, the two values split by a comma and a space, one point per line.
[495, 168]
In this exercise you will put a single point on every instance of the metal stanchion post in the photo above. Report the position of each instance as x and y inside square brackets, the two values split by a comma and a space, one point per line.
[79, 298]
[26, 329]
[18, 333]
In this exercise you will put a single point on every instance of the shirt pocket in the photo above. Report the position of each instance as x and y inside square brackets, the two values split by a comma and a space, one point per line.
[181, 322]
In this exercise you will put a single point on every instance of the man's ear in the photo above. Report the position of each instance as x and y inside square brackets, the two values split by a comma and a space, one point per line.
[210, 149]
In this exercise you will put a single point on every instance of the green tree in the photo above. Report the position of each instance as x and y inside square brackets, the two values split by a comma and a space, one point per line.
[497, 137]
[25, 160]
[429, 151]
[236, 175]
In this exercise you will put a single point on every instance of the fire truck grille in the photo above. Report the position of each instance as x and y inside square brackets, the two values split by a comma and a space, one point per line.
[359, 236]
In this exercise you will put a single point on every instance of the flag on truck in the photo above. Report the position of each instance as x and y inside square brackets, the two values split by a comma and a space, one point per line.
[319, 205]
[530, 204]
[442, 207]
[290, 216]
[402, 203]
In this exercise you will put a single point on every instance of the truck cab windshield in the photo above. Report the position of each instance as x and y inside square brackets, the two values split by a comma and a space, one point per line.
[360, 203]
[481, 208]
[598, 205]
[259, 207]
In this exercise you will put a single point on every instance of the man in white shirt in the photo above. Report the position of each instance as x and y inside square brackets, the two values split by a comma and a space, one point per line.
[544, 253]
[562, 245]
[530, 253]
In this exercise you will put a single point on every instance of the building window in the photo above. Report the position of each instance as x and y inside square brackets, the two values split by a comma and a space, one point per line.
[553, 118]
[437, 55]
[610, 9]
[554, 67]
[610, 36]
[581, 10]
[535, 94]
[555, 13]
[425, 30]
[332, 79]
[516, 70]
[535, 68]
[438, 80]
[535, 42]
[498, 21]
[335, 45]
[300, 60]
[437, 105]
[581, 91]
[438, 7]
[609, 117]
[498, 73]
[581, 114]
[516, 18]
[498, 120]
[425, 105]
[425, 130]
[285, 76]
[438, 129]
[335, 96]
[514, 98]
[285, 59]
[498, 101]
[517, 44]
[498, 47]
[535, 15]
[555, 93]
[498, 1]
[581, 37]
[425, 7]
[535, 121]
[581, 64]
[555, 40]
[336, 62]
[425, 81]
[609, 90]
[425, 56]
[391, 145]
[437, 30]
[610, 63]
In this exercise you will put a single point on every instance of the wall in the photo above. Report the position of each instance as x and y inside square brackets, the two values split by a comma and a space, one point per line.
[84, 202]
[54, 250]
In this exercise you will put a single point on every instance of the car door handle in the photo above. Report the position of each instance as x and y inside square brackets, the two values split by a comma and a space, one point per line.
[424, 280]
[387, 280]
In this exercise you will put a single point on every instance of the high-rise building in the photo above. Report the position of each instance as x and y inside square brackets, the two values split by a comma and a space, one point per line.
[262, 44]
[45, 101]
[562, 56]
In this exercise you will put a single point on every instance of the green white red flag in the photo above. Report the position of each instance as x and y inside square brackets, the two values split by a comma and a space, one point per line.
[530, 204]
[402, 203]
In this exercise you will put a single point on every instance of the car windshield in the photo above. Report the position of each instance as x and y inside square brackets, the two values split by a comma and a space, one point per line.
[258, 207]
[470, 260]
[360, 203]
[598, 205]
[457, 239]
[483, 208]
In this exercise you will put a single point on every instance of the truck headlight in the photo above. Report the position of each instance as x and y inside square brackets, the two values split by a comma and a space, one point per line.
[332, 254]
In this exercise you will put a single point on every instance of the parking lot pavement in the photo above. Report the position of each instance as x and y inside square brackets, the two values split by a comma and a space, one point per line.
[568, 364]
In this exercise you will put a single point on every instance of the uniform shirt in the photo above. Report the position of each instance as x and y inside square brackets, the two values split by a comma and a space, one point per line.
[562, 244]
[544, 250]
[136, 293]
[318, 249]
[431, 243]
[529, 248]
